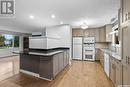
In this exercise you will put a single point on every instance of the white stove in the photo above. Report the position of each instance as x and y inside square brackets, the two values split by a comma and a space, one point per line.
[89, 48]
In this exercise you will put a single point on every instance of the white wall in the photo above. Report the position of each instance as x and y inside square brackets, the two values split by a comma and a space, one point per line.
[64, 33]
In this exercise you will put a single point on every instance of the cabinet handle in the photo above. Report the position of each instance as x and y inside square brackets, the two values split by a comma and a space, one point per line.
[126, 60]
[128, 15]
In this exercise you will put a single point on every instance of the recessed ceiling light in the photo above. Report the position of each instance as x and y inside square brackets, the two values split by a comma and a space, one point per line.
[31, 17]
[61, 22]
[53, 16]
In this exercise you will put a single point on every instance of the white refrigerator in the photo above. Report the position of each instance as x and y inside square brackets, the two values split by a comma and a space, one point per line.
[77, 48]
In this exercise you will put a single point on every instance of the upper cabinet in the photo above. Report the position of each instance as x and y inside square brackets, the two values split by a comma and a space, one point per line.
[125, 10]
[78, 32]
[101, 34]
[108, 31]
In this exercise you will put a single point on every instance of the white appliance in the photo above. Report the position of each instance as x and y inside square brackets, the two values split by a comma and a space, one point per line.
[106, 64]
[77, 48]
[89, 49]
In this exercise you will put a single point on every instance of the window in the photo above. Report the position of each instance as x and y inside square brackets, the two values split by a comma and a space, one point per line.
[9, 41]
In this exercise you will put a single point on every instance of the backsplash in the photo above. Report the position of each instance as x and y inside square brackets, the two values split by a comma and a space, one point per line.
[114, 48]
[101, 45]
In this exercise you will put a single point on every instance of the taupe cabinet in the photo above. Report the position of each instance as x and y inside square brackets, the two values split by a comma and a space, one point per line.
[101, 34]
[126, 54]
[97, 54]
[60, 61]
[125, 10]
[108, 31]
[46, 66]
[125, 41]
[101, 57]
[58, 64]
[78, 32]
[115, 71]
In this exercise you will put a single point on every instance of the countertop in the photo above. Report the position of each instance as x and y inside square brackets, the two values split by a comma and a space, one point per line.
[10, 55]
[50, 52]
[44, 54]
[113, 54]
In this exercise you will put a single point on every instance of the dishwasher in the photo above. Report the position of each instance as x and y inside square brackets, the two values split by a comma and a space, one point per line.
[106, 64]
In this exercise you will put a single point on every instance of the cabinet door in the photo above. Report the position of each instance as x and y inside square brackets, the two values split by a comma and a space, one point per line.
[126, 75]
[126, 9]
[102, 35]
[125, 44]
[55, 65]
[102, 58]
[97, 54]
[118, 73]
[108, 31]
[126, 54]
[86, 33]
[113, 71]
[78, 32]
[68, 57]
[65, 59]
[91, 33]
[97, 35]
[61, 61]
[119, 26]
[45, 67]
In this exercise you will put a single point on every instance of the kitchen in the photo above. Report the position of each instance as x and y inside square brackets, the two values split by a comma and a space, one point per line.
[67, 46]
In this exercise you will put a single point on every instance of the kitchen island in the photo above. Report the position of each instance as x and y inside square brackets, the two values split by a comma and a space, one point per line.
[45, 64]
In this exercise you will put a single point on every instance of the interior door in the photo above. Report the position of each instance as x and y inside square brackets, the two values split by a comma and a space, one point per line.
[125, 51]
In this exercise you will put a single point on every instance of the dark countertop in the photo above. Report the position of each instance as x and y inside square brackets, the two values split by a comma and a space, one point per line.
[44, 52]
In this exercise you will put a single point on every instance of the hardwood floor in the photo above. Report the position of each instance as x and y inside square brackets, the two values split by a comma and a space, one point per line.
[80, 74]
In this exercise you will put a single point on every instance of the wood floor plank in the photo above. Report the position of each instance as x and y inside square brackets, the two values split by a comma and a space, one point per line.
[79, 74]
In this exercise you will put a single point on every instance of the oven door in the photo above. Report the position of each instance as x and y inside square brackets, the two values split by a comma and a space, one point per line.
[89, 55]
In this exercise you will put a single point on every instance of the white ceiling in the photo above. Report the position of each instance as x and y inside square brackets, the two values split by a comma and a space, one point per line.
[74, 12]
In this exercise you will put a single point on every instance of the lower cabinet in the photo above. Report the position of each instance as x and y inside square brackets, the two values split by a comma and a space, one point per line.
[8, 67]
[98, 54]
[101, 55]
[44, 66]
[115, 72]
[55, 65]
[60, 61]
[126, 75]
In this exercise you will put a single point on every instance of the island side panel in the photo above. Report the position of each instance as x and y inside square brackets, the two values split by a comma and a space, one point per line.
[46, 67]
[29, 63]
